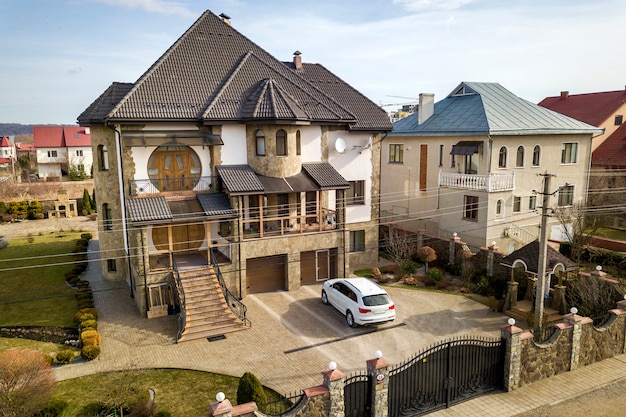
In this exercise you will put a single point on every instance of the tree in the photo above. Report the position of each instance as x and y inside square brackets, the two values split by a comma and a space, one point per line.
[577, 227]
[94, 205]
[592, 296]
[401, 244]
[123, 393]
[250, 389]
[26, 382]
[86, 202]
[426, 254]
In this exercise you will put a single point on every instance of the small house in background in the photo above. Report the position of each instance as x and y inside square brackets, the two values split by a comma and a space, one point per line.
[61, 148]
[7, 154]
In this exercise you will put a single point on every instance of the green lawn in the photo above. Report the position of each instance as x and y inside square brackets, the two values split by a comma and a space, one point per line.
[32, 278]
[611, 233]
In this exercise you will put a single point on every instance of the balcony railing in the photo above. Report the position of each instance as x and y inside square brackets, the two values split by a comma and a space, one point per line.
[174, 186]
[489, 183]
[288, 225]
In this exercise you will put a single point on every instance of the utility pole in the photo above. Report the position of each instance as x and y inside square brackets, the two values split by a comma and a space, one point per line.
[543, 250]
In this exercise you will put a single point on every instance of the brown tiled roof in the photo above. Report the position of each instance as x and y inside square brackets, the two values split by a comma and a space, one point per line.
[529, 254]
[612, 152]
[147, 209]
[325, 175]
[214, 74]
[239, 179]
[591, 108]
[216, 204]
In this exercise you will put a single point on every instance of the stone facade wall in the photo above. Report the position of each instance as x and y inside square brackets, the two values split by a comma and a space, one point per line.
[270, 164]
[545, 360]
[602, 343]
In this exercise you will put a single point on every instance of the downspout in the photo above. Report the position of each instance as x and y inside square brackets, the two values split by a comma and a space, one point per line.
[120, 171]
[145, 274]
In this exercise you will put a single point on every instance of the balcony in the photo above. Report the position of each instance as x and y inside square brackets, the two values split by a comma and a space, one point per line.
[489, 183]
[289, 225]
[171, 186]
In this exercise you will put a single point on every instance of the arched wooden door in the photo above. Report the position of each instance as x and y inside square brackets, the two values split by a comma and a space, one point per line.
[174, 168]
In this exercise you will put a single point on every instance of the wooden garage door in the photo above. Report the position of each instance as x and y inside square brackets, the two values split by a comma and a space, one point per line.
[266, 274]
[318, 265]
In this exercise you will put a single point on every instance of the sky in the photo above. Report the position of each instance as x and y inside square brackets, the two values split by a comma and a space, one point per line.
[58, 56]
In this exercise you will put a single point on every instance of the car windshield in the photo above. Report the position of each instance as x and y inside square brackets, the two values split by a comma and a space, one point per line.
[376, 300]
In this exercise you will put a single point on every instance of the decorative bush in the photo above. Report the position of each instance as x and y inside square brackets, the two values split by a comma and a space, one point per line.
[73, 281]
[90, 353]
[85, 317]
[250, 389]
[90, 338]
[85, 304]
[89, 324]
[434, 274]
[65, 356]
[48, 358]
[86, 236]
[34, 208]
[163, 414]
[54, 408]
[93, 314]
[70, 275]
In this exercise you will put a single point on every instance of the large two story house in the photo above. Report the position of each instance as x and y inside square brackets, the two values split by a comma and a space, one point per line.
[262, 172]
[60, 148]
[472, 164]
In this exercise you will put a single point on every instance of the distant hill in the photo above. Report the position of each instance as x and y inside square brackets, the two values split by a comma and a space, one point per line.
[13, 129]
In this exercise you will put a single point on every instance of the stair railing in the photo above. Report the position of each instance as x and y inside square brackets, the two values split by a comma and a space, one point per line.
[238, 308]
[182, 316]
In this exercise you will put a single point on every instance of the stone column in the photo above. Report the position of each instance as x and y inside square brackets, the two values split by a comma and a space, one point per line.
[453, 241]
[577, 323]
[512, 336]
[378, 369]
[511, 295]
[221, 408]
[333, 380]
[491, 249]
[420, 238]
[558, 301]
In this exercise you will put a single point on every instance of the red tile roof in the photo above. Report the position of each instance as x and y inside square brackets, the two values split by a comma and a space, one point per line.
[60, 136]
[5, 143]
[25, 147]
[592, 108]
[612, 152]
[5, 160]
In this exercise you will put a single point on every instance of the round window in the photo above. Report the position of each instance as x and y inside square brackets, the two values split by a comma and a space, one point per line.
[174, 168]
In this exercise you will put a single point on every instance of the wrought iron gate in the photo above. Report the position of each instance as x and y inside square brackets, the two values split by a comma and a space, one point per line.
[357, 396]
[446, 374]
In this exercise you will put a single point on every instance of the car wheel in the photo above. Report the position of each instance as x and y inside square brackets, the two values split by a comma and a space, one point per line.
[324, 298]
[350, 319]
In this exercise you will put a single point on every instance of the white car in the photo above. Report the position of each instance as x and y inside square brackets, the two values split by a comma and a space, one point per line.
[361, 300]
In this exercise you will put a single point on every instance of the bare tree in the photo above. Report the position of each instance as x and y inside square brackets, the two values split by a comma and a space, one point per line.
[26, 382]
[592, 296]
[577, 227]
[401, 244]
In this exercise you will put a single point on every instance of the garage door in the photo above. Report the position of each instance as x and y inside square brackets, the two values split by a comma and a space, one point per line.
[266, 274]
[318, 265]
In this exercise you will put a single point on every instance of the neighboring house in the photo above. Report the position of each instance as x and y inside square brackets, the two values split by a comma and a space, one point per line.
[7, 154]
[470, 164]
[604, 109]
[27, 158]
[61, 147]
[268, 168]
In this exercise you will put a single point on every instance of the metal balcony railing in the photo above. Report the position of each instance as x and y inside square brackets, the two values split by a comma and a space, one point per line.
[181, 185]
[489, 183]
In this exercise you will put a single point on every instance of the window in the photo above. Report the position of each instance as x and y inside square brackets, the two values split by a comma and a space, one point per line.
[281, 143]
[470, 211]
[52, 154]
[260, 142]
[502, 158]
[471, 164]
[532, 202]
[103, 158]
[566, 195]
[440, 155]
[452, 161]
[519, 158]
[357, 241]
[396, 153]
[356, 193]
[499, 205]
[79, 152]
[108, 219]
[111, 266]
[517, 204]
[298, 143]
[619, 119]
[569, 153]
[536, 155]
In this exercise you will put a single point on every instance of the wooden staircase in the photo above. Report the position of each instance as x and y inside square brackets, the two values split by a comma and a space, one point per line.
[206, 312]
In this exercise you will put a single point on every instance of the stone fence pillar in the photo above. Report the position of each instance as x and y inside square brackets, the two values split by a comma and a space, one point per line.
[577, 323]
[378, 369]
[334, 381]
[513, 336]
[420, 238]
[491, 249]
[452, 255]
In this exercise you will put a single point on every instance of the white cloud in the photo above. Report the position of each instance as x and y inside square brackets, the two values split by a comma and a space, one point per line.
[154, 6]
[431, 5]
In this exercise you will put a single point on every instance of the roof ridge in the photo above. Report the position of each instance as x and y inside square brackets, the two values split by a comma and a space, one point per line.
[156, 64]
[226, 83]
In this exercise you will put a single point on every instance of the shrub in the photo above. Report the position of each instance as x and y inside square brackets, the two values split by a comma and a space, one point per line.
[86, 236]
[435, 274]
[453, 269]
[54, 408]
[250, 389]
[65, 356]
[34, 208]
[90, 338]
[73, 281]
[70, 275]
[86, 202]
[48, 358]
[163, 414]
[85, 317]
[89, 324]
[80, 313]
[4, 242]
[90, 353]
[85, 304]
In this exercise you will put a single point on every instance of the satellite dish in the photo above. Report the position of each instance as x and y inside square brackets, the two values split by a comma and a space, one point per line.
[340, 145]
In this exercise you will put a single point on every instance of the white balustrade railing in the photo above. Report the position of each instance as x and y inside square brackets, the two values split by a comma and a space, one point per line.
[491, 182]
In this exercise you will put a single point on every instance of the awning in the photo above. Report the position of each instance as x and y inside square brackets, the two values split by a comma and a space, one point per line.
[170, 138]
[465, 147]
[158, 210]
[295, 184]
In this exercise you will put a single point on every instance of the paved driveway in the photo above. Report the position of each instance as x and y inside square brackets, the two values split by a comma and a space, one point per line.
[292, 339]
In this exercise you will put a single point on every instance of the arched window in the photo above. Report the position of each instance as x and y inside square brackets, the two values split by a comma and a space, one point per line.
[502, 158]
[519, 159]
[103, 158]
[174, 168]
[107, 219]
[281, 143]
[298, 143]
[499, 205]
[260, 142]
[536, 155]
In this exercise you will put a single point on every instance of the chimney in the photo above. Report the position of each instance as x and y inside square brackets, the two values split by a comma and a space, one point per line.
[564, 95]
[426, 107]
[225, 18]
[297, 60]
